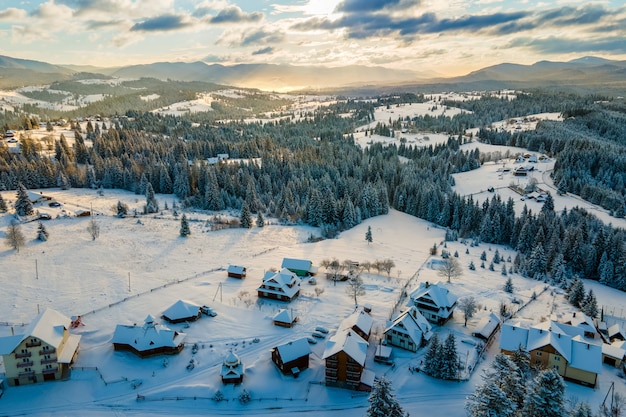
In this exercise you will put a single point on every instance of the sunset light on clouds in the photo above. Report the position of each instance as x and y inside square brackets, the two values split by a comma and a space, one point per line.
[443, 37]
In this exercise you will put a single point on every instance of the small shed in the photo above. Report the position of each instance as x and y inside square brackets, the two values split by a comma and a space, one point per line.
[300, 267]
[616, 332]
[182, 311]
[383, 354]
[236, 271]
[487, 327]
[232, 369]
[614, 353]
[285, 318]
[293, 357]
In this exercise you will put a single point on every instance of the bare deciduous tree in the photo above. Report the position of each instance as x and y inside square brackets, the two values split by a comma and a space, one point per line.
[93, 228]
[468, 306]
[15, 237]
[450, 268]
[355, 288]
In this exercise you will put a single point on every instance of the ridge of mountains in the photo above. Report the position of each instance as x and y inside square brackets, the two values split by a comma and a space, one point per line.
[586, 73]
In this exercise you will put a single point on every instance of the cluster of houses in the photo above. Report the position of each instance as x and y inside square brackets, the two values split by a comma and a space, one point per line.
[572, 344]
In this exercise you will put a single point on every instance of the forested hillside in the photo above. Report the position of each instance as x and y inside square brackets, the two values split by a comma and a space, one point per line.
[311, 171]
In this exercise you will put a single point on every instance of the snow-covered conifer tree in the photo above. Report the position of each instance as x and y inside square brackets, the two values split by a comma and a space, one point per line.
[382, 401]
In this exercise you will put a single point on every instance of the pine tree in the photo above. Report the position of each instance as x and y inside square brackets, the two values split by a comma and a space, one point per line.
[42, 233]
[260, 221]
[508, 286]
[3, 205]
[545, 396]
[122, 209]
[245, 218]
[184, 226]
[590, 305]
[577, 293]
[152, 206]
[449, 358]
[432, 360]
[581, 410]
[368, 235]
[382, 402]
[490, 401]
[23, 206]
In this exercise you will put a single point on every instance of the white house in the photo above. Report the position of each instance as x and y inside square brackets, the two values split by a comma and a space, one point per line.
[409, 330]
[283, 285]
[434, 301]
[148, 340]
[181, 311]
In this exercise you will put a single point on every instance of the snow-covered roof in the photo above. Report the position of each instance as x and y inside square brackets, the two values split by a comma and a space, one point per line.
[231, 367]
[349, 342]
[586, 356]
[299, 264]
[236, 269]
[437, 293]
[616, 330]
[147, 337]
[285, 282]
[294, 350]
[362, 320]
[512, 336]
[412, 323]
[368, 377]
[539, 337]
[181, 309]
[284, 316]
[614, 350]
[487, 325]
[69, 348]
[48, 326]
[577, 319]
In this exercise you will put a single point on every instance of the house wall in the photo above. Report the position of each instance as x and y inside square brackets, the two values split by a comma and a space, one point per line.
[33, 361]
[151, 352]
[401, 340]
[580, 376]
[342, 371]
[301, 363]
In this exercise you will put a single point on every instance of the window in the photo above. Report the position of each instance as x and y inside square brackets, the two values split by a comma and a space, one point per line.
[538, 353]
[557, 358]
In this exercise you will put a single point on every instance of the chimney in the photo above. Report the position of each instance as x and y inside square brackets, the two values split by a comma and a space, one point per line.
[574, 314]
[426, 284]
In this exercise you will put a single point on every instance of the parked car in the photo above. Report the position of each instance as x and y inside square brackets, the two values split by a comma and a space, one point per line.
[321, 329]
[311, 340]
[208, 311]
[54, 204]
[44, 216]
[318, 335]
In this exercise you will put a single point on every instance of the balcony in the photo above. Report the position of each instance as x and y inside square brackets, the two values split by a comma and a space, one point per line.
[45, 352]
[26, 374]
[24, 364]
[33, 344]
[50, 371]
[22, 355]
[45, 361]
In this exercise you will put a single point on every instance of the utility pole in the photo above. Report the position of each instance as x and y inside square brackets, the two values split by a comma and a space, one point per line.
[36, 269]
[129, 282]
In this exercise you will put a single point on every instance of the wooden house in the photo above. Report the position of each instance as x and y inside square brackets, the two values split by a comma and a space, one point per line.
[300, 267]
[487, 327]
[44, 351]
[558, 346]
[283, 285]
[236, 271]
[360, 322]
[409, 331]
[285, 318]
[293, 357]
[232, 369]
[182, 311]
[345, 356]
[148, 340]
[434, 301]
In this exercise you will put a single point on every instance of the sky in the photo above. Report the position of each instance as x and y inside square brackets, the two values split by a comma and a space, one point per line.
[430, 37]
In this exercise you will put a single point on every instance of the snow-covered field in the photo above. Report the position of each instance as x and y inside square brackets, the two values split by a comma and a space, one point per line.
[140, 266]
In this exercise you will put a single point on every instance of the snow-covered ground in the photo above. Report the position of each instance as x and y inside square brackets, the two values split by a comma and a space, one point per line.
[140, 266]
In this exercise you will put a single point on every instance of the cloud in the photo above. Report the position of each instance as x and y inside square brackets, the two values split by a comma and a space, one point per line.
[566, 16]
[554, 45]
[214, 58]
[51, 11]
[12, 14]
[96, 24]
[360, 6]
[234, 14]
[161, 24]
[261, 37]
[264, 51]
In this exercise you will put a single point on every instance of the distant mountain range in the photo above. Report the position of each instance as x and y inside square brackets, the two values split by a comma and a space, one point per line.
[586, 73]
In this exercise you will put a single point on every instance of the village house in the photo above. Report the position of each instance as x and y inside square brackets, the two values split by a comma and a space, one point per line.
[44, 351]
[614, 354]
[293, 357]
[148, 340]
[434, 301]
[616, 332]
[345, 356]
[236, 271]
[409, 331]
[283, 285]
[558, 346]
[300, 267]
[487, 327]
[285, 318]
[232, 369]
[360, 321]
[182, 311]
[580, 320]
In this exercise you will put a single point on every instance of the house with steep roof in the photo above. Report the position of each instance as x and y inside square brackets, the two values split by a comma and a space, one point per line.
[283, 285]
[616, 332]
[182, 311]
[148, 340]
[345, 356]
[487, 327]
[300, 267]
[580, 320]
[232, 369]
[434, 301]
[44, 351]
[360, 321]
[292, 357]
[409, 331]
[558, 346]
[614, 354]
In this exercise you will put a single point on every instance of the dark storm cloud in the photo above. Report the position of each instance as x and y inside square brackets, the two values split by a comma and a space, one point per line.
[160, 24]
[234, 14]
